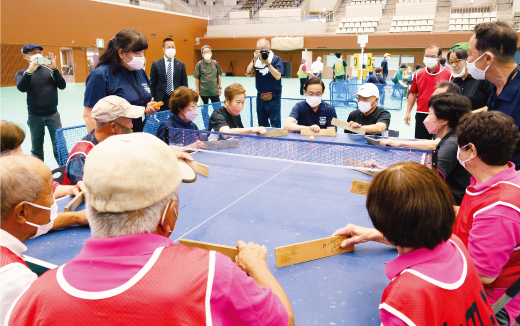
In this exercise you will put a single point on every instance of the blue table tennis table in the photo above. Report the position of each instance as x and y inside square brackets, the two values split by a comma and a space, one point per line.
[275, 203]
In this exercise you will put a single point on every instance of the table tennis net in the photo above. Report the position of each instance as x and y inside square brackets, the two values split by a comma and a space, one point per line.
[321, 151]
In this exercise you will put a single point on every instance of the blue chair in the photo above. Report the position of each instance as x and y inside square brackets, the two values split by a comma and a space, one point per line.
[153, 121]
[66, 138]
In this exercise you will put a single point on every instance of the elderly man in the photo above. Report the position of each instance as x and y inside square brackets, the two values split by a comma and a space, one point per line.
[28, 210]
[491, 56]
[130, 272]
[268, 69]
[423, 86]
[373, 118]
[113, 115]
[317, 68]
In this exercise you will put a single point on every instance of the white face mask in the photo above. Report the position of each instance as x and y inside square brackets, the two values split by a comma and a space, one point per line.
[32, 57]
[42, 229]
[475, 72]
[463, 163]
[207, 56]
[191, 115]
[313, 101]
[364, 107]
[430, 62]
[170, 53]
[459, 74]
[136, 63]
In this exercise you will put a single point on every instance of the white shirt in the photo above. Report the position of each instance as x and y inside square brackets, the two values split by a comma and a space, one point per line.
[166, 68]
[15, 277]
[317, 67]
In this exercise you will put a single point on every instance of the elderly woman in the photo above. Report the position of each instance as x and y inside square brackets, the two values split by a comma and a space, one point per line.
[28, 210]
[12, 137]
[120, 72]
[227, 118]
[445, 113]
[433, 280]
[183, 105]
[131, 272]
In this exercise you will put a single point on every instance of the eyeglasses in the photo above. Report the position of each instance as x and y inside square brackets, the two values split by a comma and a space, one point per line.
[455, 62]
[313, 94]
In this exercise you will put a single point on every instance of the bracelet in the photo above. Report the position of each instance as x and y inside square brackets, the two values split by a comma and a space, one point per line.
[27, 73]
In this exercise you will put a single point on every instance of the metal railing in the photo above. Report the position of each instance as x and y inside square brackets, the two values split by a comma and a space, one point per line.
[322, 17]
[485, 8]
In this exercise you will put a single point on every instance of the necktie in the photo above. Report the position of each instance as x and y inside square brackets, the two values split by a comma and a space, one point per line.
[169, 83]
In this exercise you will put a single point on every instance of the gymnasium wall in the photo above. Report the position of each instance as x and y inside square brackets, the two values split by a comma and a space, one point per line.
[78, 23]
[240, 50]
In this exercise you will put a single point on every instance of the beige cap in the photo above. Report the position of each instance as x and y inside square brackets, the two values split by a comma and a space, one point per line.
[367, 90]
[387, 54]
[132, 171]
[112, 107]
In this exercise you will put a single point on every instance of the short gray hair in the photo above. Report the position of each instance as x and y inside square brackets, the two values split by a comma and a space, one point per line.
[263, 39]
[204, 47]
[112, 225]
[19, 181]
[100, 124]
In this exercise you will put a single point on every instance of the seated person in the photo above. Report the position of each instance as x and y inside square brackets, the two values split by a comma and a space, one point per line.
[369, 116]
[183, 105]
[378, 79]
[445, 113]
[488, 221]
[28, 210]
[312, 112]
[130, 249]
[398, 81]
[12, 138]
[227, 118]
[433, 280]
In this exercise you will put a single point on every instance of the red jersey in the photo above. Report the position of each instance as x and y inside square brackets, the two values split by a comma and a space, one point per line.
[424, 82]
[81, 148]
[8, 257]
[503, 193]
[157, 295]
[420, 300]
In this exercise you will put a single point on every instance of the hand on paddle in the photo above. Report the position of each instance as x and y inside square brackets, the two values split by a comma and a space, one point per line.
[359, 234]
[314, 128]
[250, 255]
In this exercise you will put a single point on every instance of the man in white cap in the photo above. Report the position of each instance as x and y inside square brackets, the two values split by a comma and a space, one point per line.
[131, 273]
[384, 64]
[373, 118]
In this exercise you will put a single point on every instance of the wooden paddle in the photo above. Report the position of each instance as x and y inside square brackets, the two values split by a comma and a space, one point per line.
[74, 203]
[347, 126]
[231, 252]
[310, 250]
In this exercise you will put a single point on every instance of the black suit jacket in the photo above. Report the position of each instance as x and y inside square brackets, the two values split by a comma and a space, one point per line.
[158, 77]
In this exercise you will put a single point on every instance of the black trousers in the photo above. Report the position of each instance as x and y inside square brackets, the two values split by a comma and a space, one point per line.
[166, 101]
[420, 129]
[302, 84]
[214, 99]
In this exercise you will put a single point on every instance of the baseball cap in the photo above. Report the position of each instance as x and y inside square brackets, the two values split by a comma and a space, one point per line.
[132, 171]
[112, 107]
[387, 54]
[462, 45]
[30, 46]
[367, 90]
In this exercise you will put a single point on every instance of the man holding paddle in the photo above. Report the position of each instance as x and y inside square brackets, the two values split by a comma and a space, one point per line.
[370, 117]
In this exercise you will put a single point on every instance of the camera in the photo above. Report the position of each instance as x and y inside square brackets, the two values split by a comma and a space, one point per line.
[264, 54]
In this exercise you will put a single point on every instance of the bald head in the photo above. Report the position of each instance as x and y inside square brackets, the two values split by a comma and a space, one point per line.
[263, 43]
[23, 178]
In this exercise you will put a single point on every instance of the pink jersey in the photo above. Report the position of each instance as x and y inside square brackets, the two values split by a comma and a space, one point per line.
[225, 295]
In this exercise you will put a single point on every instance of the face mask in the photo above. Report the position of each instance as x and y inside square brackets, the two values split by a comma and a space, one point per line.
[191, 115]
[126, 130]
[32, 57]
[463, 163]
[431, 126]
[430, 62]
[170, 53]
[313, 101]
[42, 229]
[364, 107]
[207, 56]
[136, 63]
[459, 74]
[475, 72]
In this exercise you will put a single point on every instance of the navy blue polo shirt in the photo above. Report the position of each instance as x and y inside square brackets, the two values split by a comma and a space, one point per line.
[103, 82]
[265, 82]
[508, 102]
[305, 116]
[178, 137]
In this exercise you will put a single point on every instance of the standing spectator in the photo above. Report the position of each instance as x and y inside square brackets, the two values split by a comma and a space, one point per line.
[339, 68]
[478, 91]
[317, 68]
[208, 81]
[442, 61]
[423, 85]
[41, 83]
[268, 82]
[384, 64]
[303, 75]
[398, 81]
[167, 74]
[119, 72]
[491, 56]
[378, 79]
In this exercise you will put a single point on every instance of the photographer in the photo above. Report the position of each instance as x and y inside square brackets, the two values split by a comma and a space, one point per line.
[41, 81]
[269, 70]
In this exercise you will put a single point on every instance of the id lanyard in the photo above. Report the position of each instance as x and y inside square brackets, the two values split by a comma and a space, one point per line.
[135, 87]
[509, 79]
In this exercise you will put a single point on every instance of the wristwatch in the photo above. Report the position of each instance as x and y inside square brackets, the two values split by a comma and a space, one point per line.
[267, 65]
